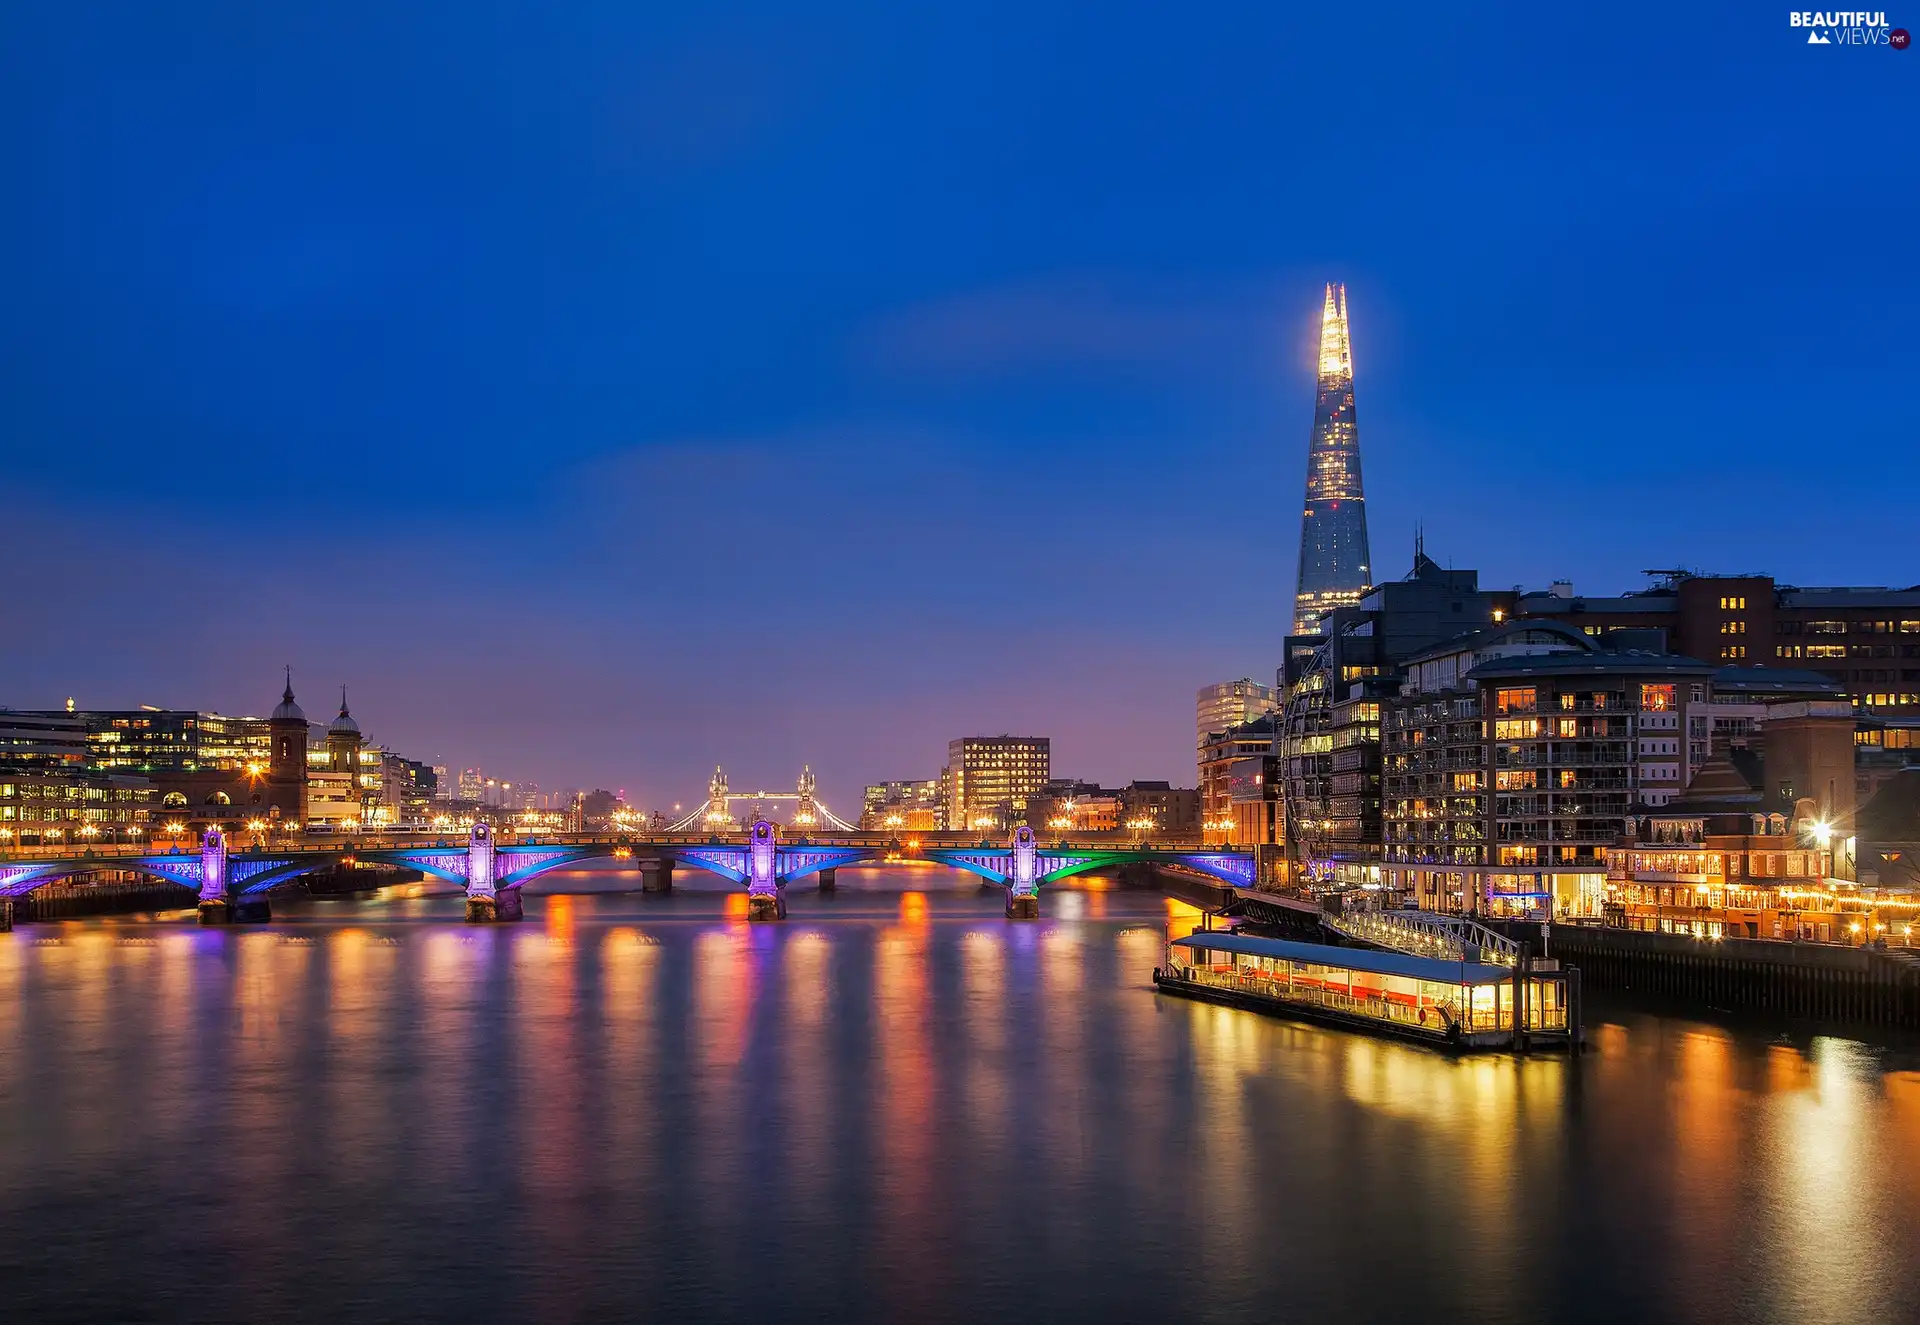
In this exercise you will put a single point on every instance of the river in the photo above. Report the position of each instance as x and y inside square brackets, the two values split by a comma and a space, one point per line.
[896, 1106]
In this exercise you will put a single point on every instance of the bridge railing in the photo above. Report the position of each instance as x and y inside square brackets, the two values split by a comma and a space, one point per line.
[1426, 934]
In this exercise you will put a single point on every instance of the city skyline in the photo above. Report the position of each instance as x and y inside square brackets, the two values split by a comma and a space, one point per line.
[474, 416]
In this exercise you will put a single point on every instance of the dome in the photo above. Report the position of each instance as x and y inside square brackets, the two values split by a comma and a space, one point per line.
[344, 725]
[288, 711]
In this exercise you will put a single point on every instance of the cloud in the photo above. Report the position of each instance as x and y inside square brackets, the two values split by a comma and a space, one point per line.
[1088, 323]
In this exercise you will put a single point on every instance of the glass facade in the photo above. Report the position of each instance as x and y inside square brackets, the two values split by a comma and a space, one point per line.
[1335, 568]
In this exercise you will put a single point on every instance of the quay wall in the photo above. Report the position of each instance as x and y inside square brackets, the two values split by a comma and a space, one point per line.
[1862, 986]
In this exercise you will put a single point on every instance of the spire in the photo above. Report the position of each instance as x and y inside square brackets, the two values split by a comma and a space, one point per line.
[343, 703]
[1334, 568]
[287, 698]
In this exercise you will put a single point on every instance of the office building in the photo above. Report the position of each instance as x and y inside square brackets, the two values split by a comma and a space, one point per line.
[42, 742]
[910, 805]
[1864, 639]
[991, 777]
[1230, 704]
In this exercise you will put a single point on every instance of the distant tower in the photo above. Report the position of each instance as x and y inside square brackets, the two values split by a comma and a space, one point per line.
[287, 758]
[343, 745]
[806, 815]
[1335, 570]
[717, 798]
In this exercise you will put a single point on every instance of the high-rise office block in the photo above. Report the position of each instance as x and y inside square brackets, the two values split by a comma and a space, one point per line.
[1335, 568]
[991, 777]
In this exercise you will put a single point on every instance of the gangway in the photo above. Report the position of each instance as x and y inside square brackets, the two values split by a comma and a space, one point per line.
[1426, 934]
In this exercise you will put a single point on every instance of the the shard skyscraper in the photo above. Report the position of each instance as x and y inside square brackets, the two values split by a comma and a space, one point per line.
[1335, 570]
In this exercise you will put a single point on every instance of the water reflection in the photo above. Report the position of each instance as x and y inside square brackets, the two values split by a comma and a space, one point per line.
[895, 1106]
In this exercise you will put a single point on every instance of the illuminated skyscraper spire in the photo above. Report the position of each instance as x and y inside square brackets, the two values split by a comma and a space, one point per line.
[1335, 569]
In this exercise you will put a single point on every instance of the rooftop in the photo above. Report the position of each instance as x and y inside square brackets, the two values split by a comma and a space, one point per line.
[1624, 663]
[1352, 959]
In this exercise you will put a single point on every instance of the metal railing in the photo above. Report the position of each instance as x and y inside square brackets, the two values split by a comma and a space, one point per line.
[1426, 934]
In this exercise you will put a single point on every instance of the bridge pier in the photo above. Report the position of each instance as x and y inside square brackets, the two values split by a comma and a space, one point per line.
[656, 875]
[765, 901]
[827, 881]
[216, 907]
[487, 902]
[1023, 880]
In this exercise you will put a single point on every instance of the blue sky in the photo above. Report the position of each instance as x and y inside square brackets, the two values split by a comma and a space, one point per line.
[607, 391]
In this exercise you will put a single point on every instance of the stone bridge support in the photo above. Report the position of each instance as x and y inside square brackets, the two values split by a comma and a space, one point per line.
[827, 881]
[656, 875]
[1023, 880]
[486, 901]
[216, 904]
[765, 901]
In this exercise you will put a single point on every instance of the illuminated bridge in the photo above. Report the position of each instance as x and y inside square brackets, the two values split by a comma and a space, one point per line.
[237, 884]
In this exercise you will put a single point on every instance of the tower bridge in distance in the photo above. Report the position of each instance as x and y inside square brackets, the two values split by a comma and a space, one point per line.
[238, 884]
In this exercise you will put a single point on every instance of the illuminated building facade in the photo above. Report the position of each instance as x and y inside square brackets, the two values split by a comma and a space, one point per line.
[153, 740]
[911, 805]
[1754, 849]
[1239, 792]
[1865, 640]
[1513, 759]
[1230, 704]
[1335, 567]
[990, 778]
[45, 807]
[42, 741]
[1336, 684]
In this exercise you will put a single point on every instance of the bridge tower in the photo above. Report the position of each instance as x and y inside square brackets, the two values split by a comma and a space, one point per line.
[1023, 880]
[216, 906]
[806, 816]
[764, 899]
[717, 815]
[287, 760]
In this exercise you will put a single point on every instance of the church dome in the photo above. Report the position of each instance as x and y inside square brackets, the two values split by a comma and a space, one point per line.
[344, 725]
[288, 711]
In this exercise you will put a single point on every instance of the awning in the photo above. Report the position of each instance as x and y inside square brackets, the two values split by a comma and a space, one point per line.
[1351, 959]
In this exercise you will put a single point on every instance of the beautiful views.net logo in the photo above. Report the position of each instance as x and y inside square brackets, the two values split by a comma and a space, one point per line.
[1849, 28]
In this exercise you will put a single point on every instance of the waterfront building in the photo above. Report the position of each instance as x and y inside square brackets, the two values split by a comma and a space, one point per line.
[1512, 759]
[1744, 855]
[991, 777]
[1887, 830]
[151, 741]
[1334, 569]
[337, 781]
[50, 806]
[908, 805]
[42, 741]
[1239, 789]
[1864, 639]
[1230, 704]
[1069, 805]
[1335, 683]
[1160, 809]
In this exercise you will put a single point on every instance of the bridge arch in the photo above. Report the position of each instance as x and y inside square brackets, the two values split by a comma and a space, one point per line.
[20, 884]
[521, 876]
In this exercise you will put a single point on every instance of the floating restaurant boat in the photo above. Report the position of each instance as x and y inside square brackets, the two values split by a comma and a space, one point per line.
[1462, 1005]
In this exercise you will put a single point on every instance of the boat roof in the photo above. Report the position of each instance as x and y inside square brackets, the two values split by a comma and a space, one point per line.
[1356, 959]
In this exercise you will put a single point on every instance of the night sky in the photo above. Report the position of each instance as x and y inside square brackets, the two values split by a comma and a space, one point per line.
[605, 391]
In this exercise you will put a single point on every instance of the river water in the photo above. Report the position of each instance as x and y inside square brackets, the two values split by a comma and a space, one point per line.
[896, 1106]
